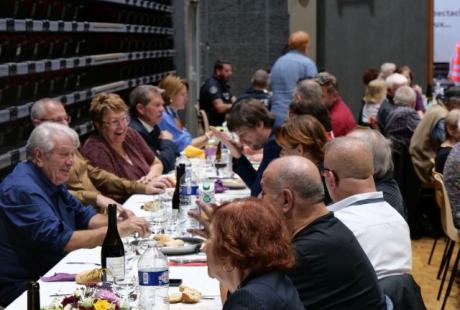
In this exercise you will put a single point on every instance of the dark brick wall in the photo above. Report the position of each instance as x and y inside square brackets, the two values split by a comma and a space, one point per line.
[249, 34]
[354, 35]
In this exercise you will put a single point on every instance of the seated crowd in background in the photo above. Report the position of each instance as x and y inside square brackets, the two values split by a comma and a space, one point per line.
[40, 221]
[115, 146]
[343, 230]
[89, 184]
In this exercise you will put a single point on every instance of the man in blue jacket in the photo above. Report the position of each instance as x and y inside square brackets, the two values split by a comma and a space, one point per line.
[146, 108]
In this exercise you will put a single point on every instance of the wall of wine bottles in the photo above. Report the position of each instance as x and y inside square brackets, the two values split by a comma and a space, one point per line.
[73, 50]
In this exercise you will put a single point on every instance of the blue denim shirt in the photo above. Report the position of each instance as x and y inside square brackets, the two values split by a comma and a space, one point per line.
[286, 72]
[37, 219]
[181, 137]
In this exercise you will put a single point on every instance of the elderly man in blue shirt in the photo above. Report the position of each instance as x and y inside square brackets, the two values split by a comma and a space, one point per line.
[40, 221]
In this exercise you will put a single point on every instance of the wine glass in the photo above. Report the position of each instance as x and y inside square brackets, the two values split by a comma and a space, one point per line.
[219, 164]
[171, 223]
[126, 289]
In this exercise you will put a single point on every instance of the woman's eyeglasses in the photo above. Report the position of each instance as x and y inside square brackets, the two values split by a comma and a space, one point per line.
[114, 123]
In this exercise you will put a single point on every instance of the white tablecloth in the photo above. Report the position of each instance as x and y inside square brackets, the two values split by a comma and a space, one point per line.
[196, 277]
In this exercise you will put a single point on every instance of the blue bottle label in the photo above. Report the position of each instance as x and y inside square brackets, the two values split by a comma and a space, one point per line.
[153, 278]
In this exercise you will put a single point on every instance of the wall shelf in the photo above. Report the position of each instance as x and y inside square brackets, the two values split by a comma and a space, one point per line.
[22, 111]
[46, 65]
[30, 25]
[71, 51]
[14, 156]
[144, 4]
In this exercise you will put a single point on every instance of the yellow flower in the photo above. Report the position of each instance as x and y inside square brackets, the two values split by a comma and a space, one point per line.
[101, 304]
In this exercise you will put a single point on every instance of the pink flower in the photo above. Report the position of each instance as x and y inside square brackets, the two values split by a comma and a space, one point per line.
[107, 295]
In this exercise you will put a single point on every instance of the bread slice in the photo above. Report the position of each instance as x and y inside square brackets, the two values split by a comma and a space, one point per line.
[190, 295]
[175, 298]
[89, 276]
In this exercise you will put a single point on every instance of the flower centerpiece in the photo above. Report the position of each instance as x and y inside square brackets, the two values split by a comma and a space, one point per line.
[90, 298]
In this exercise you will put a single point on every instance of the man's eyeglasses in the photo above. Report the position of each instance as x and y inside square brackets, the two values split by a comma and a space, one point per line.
[117, 122]
[61, 120]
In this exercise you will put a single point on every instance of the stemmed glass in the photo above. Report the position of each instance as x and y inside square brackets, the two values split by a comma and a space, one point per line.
[220, 165]
[127, 289]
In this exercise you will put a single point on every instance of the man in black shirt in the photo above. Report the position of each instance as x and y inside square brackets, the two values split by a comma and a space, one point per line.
[215, 96]
[332, 271]
[258, 89]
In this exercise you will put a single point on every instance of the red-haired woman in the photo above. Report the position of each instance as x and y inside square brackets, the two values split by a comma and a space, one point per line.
[248, 249]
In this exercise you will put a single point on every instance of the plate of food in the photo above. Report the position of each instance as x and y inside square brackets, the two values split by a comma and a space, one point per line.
[233, 183]
[177, 246]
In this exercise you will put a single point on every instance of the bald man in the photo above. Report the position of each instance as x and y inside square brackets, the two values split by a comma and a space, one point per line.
[332, 271]
[288, 70]
[381, 231]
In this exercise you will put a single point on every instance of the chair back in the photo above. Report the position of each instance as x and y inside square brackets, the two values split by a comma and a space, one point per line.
[446, 211]
[439, 195]
[202, 119]
[204, 116]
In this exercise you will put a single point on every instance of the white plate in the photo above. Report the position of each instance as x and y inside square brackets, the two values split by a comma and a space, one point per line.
[192, 245]
[233, 183]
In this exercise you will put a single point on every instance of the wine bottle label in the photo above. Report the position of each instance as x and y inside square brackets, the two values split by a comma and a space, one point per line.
[154, 278]
[116, 268]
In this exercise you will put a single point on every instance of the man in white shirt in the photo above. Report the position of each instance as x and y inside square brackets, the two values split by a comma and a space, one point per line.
[381, 231]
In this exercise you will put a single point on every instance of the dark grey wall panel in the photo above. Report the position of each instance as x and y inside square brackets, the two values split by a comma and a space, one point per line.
[249, 34]
[354, 35]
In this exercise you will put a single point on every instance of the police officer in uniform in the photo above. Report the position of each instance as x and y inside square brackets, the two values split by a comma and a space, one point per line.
[215, 96]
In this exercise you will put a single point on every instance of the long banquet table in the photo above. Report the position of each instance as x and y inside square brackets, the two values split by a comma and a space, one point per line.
[193, 276]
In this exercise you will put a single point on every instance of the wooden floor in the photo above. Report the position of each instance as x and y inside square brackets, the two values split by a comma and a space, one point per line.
[425, 274]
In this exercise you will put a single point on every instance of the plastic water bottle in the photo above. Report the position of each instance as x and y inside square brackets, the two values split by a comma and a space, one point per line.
[207, 191]
[187, 197]
[153, 272]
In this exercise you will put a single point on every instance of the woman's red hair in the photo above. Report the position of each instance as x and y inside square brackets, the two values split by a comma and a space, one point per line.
[251, 236]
